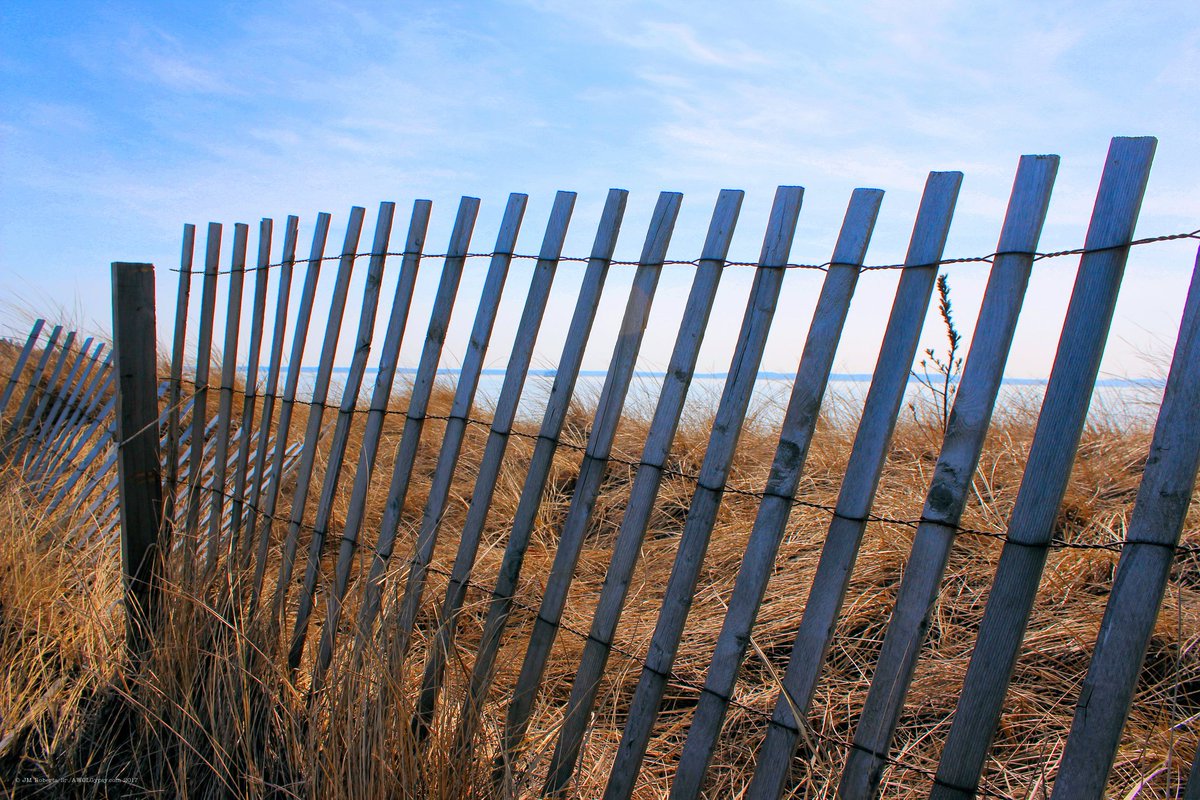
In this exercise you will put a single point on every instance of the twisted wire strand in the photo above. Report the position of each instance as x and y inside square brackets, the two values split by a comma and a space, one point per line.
[696, 262]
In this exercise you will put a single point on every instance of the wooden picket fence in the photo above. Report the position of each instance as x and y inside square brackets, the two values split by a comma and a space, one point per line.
[219, 476]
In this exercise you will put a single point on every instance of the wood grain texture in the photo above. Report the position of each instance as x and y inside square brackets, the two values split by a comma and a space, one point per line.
[714, 470]
[857, 494]
[1142, 572]
[241, 469]
[316, 409]
[175, 388]
[138, 468]
[405, 612]
[553, 419]
[609, 409]
[341, 433]
[1060, 423]
[414, 419]
[303, 317]
[229, 358]
[380, 396]
[494, 449]
[208, 307]
[645, 487]
[287, 265]
[962, 445]
[799, 425]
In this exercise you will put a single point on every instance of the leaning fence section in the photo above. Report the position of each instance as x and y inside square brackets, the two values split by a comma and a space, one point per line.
[352, 570]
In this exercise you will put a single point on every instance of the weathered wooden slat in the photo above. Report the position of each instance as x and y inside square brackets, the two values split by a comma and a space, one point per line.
[59, 398]
[287, 403]
[1142, 572]
[242, 435]
[414, 418]
[596, 454]
[316, 408]
[68, 422]
[19, 367]
[493, 453]
[591, 473]
[214, 467]
[229, 358]
[52, 390]
[799, 425]
[1048, 467]
[60, 408]
[381, 395]
[553, 419]
[175, 388]
[12, 434]
[646, 484]
[81, 423]
[47, 451]
[185, 437]
[138, 467]
[862, 476]
[869, 451]
[456, 426]
[341, 433]
[184, 466]
[108, 516]
[208, 309]
[105, 438]
[250, 396]
[962, 445]
[287, 263]
[727, 426]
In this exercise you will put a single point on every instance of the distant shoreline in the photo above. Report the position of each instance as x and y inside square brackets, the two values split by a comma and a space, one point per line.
[843, 377]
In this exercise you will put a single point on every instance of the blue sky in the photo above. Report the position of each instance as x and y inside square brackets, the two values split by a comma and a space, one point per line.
[121, 121]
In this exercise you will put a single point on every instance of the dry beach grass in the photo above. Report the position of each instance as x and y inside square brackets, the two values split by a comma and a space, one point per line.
[213, 712]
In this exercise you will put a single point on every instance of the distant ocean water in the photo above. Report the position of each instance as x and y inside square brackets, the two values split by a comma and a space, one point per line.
[1118, 400]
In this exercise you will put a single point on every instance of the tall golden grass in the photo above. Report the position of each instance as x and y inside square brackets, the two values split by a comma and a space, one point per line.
[214, 712]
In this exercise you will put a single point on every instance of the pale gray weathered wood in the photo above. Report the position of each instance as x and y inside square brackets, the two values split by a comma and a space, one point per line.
[799, 425]
[591, 473]
[175, 387]
[19, 366]
[35, 380]
[553, 419]
[287, 263]
[316, 408]
[81, 424]
[229, 357]
[962, 445]
[341, 433]
[250, 394]
[51, 390]
[208, 305]
[288, 401]
[645, 485]
[1142, 572]
[414, 418]
[1048, 467]
[493, 452]
[381, 395]
[693, 543]
[405, 614]
[857, 493]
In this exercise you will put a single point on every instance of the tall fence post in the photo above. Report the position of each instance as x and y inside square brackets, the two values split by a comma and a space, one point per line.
[139, 481]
